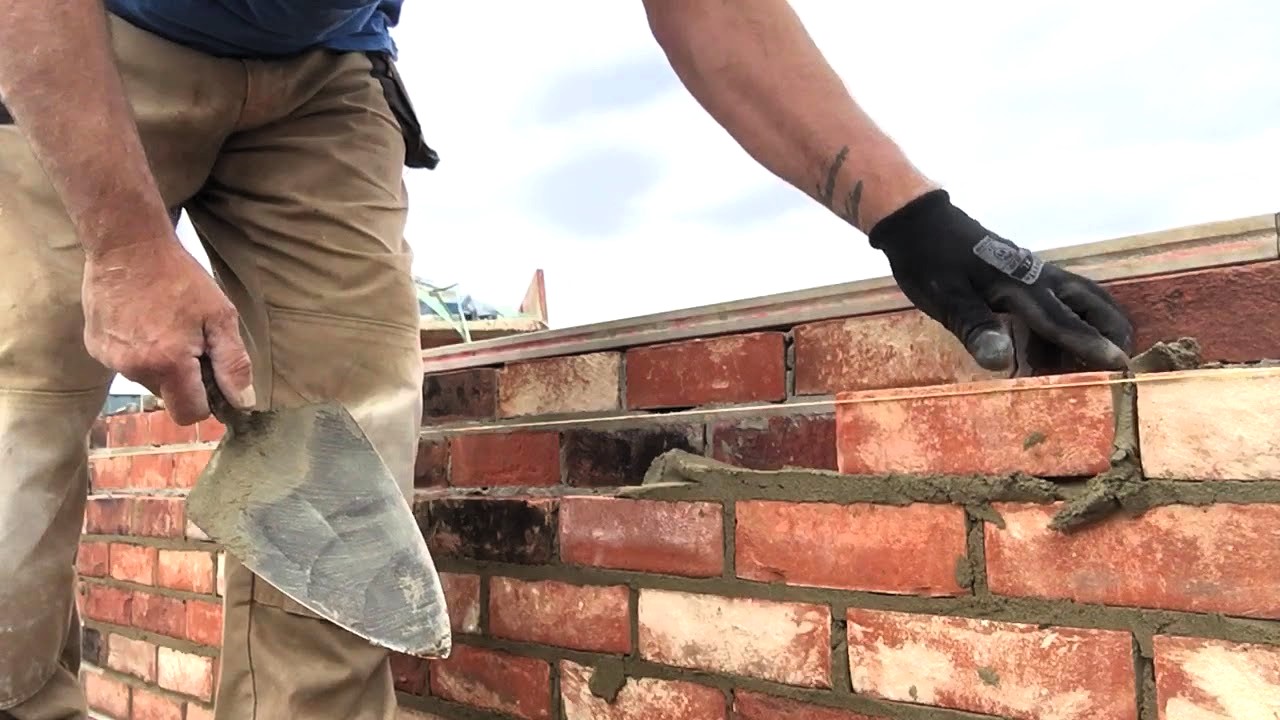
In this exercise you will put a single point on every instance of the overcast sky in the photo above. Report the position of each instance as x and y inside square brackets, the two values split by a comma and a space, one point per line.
[568, 144]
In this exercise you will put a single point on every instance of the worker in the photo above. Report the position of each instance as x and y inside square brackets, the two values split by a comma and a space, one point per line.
[282, 128]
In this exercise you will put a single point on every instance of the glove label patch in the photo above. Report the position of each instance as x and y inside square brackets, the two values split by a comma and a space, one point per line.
[1018, 263]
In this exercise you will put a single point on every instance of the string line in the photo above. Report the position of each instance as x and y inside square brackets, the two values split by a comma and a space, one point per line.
[870, 396]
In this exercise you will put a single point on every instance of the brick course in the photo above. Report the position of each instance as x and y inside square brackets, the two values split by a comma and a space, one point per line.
[759, 596]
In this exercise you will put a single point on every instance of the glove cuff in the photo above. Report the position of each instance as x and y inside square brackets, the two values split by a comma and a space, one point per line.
[920, 214]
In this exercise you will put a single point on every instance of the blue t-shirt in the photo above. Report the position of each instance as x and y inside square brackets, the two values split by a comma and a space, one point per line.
[266, 28]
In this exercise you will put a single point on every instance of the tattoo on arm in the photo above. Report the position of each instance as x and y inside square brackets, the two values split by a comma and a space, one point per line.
[826, 191]
[851, 203]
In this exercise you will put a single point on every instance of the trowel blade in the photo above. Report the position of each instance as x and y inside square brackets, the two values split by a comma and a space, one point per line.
[304, 500]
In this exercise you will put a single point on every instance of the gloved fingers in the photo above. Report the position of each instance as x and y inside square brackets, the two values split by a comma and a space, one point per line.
[970, 319]
[1096, 307]
[1053, 321]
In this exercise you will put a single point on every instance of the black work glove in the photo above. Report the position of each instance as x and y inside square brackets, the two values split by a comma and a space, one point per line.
[961, 274]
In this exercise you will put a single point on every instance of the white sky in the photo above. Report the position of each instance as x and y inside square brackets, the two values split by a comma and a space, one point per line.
[567, 143]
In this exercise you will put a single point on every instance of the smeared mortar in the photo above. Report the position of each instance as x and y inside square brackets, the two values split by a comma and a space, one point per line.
[1123, 487]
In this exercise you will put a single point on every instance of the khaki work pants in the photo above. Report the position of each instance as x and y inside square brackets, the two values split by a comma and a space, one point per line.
[290, 171]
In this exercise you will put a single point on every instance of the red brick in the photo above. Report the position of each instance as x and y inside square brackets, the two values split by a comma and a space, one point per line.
[489, 529]
[782, 642]
[996, 668]
[460, 395]
[638, 699]
[579, 617]
[1214, 559]
[197, 712]
[495, 459]
[111, 472]
[608, 458]
[93, 559]
[1198, 679]
[220, 585]
[187, 467]
[107, 604]
[204, 622]
[1029, 424]
[911, 550]
[1210, 425]
[129, 430]
[186, 673]
[561, 385]
[193, 532]
[132, 657]
[893, 350]
[494, 680]
[733, 369]
[1234, 312]
[133, 563]
[159, 517]
[148, 705]
[678, 538]
[159, 614]
[164, 431]
[754, 706]
[210, 430]
[152, 471]
[431, 467]
[106, 694]
[409, 673]
[108, 515]
[191, 570]
[462, 595]
[776, 441]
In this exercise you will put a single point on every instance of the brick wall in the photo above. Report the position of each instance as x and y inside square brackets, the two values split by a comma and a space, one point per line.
[150, 581]
[850, 520]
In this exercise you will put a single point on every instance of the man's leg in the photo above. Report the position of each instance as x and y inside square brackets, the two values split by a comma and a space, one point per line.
[303, 218]
[50, 388]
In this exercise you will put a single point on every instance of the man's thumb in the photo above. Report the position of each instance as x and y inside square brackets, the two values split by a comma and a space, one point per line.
[985, 337]
[232, 368]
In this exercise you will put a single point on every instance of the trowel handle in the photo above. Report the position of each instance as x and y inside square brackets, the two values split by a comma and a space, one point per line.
[224, 411]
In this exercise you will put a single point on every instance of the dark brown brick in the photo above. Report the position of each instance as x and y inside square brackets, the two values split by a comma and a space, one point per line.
[108, 515]
[769, 443]
[515, 530]
[92, 648]
[460, 395]
[1234, 312]
[409, 673]
[604, 458]
[98, 433]
[432, 466]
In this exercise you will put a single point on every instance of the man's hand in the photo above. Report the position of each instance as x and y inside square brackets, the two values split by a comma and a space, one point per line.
[960, 274]
[151, 312]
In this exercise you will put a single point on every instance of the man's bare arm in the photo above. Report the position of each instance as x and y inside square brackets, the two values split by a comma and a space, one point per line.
[755, 69]
[151, 312]
[59, 81]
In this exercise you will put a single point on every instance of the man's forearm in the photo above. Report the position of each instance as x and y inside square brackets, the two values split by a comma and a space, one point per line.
[755, 69]
[59, 81]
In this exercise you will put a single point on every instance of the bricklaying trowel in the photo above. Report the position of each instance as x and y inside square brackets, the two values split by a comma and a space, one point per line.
[304, 500]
